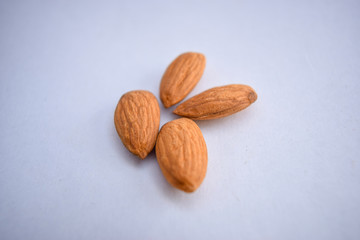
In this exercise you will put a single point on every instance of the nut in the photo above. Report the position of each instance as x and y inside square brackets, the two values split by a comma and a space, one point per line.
[137, 119]
[180, 77]
[182, 155]
[217, 102]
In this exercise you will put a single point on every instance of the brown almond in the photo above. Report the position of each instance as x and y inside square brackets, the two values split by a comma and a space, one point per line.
[182, 154]
[137, 119]
[217, 102]
[180, 77]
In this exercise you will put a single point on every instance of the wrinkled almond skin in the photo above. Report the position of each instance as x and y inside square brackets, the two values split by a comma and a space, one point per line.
[182, 155]
[180, 77]
[137, 120]
[217, 102]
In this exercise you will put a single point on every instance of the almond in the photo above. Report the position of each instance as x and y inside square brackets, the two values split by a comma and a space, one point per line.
[217, 102]
[182, 155]
[180, 77]
[137, 119]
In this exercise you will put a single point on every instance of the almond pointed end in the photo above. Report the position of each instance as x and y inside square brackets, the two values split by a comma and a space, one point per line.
[142, 155]
[252, 96]
[166, 101]
[176, 111]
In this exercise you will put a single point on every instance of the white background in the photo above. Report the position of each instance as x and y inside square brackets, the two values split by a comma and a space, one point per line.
[288, 167]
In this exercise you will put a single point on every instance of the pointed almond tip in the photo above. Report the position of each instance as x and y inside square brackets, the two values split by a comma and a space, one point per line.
[176, 111]
[166, 102]
[142, 155]
[189, 189]
[252, 96]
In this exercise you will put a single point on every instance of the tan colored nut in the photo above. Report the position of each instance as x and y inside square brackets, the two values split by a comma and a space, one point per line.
[182, 155]
[217, 102]
[137, 120]
[180, 77]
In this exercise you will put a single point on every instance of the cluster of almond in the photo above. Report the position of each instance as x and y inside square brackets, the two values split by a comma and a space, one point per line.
[180, 147]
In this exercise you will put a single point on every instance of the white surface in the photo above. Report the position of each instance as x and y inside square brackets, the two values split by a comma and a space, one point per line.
[285, 168]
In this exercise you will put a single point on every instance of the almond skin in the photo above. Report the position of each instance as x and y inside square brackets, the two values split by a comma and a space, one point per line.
[137, 120]
[182, 155]
[180, 77]
[217, 102]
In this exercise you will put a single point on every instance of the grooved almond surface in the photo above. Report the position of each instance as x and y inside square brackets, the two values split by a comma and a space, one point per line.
[137, 119]
[180, 77]
[182, 155]
[217, 102]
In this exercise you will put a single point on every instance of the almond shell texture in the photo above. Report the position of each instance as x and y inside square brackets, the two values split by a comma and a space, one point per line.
[181, 77]
[137, 120]
[217, 102]
[182, 154]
